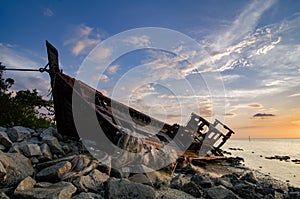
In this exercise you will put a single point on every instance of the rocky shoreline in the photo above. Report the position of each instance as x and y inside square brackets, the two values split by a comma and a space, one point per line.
[44, 164]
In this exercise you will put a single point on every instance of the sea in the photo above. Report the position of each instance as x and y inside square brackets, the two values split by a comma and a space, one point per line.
[255, 151]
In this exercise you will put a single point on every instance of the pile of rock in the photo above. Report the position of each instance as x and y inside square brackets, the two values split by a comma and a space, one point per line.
[43, 164]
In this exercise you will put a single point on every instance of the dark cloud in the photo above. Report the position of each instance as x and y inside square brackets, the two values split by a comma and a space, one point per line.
[263, 115]
[230, 114]
[255, 105]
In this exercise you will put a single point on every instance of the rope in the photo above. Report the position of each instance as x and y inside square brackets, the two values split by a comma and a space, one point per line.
[25, 69]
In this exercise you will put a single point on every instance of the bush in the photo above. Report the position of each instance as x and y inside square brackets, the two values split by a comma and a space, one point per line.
[24, 108]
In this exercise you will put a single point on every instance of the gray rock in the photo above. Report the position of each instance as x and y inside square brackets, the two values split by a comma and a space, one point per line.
[221, 192]
[46, 152]
[34, 160]
[244, 190]
[49, 131]
[18, 133]
[30, 150]
[250, 177]
[176, 182]
[27, 183]
[140, 178]
[173, 194]
[293, 195]
[53, 144]
[92, 182]
[123, 188]
[34, 140]
[60, 190]
[4, 139]
[17, 168]
[202, 181]
[192, 189]
[54, 173]
[3, 129]
[88, 195]
[225, 182]
[15, 148]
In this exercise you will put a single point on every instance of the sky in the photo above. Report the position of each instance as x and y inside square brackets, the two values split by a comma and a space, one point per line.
[237, 61]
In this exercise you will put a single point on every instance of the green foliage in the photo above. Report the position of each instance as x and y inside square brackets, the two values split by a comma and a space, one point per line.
[24, 108]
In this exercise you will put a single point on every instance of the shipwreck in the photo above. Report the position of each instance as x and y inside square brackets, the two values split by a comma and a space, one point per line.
[207, 138]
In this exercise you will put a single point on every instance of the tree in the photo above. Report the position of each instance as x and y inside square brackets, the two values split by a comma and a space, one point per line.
[24, 108]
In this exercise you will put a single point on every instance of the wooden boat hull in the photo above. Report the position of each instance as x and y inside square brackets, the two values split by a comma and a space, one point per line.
[111, 123]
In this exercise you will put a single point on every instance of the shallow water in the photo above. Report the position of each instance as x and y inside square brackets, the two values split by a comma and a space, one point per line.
[255, 151]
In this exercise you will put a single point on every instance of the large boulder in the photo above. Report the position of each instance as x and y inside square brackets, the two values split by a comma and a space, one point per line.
[49, 131]
[193, 189]
[176, 182]
[46, 152]
[55, 172]
[202, 181]
[123, 188]
[91, 182]
[54, 145]
[60, 190]
[27, 183]
[30, 150]
[18, 133]
[17, 168]
[221, 193]
[4, 139]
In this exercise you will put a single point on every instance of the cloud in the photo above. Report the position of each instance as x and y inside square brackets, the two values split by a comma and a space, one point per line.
[255, 105]
[99, 54]
[82, 45]
[240, 42]
[251, 93]
[83, 39]
[164, 65]
[295, 122]
[229, 114]
[138, 41]
[103, 78]
[142, 92]
[48, 12]
[14, 57]
[266, 48]
[263, 115]
[230, 78]
[295, 95]
[243, 24]
[113, 69]
[273, 82]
